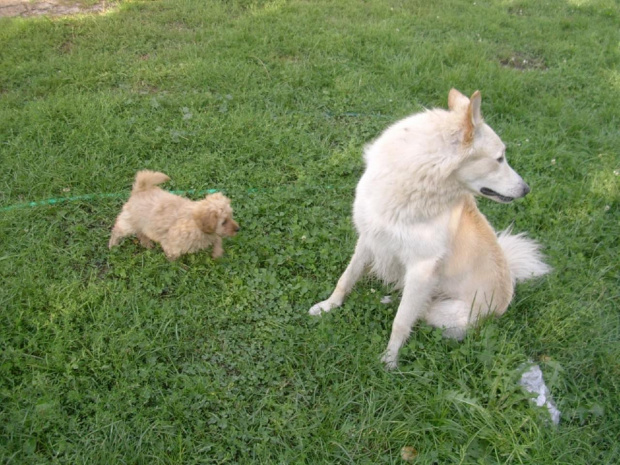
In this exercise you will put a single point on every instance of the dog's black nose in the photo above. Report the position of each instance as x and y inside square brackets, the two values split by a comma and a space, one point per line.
[526, 190]
[237, 228]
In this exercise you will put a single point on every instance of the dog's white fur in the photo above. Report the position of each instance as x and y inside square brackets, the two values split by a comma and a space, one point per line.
[180, 225]
[420, 229]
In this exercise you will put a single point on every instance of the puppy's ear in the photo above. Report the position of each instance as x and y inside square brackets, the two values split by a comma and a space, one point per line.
[456, 100]
[206, 220]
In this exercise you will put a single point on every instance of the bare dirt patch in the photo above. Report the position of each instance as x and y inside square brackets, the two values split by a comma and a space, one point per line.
[523, 62]
[11, 8]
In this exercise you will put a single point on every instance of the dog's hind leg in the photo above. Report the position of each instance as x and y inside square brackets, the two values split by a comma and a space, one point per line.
[361, 258]
[122, 228]
[145, 241]
[419, 284]
[451, 315]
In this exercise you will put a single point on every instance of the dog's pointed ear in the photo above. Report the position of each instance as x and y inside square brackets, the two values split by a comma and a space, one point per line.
[206, 220]
[474, 109]
[456, 100]
[473, 118]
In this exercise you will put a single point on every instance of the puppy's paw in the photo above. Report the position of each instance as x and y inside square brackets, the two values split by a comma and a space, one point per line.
[217, 253]
[322, 307]
[145, 242]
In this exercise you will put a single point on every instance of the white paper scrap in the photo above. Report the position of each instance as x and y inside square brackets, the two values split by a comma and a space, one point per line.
[532, 381]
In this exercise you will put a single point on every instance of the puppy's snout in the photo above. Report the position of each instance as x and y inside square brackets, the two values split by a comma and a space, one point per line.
[234, 228]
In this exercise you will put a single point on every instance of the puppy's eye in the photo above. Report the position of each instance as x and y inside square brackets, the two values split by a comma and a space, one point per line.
[224, 222]
[500, 159]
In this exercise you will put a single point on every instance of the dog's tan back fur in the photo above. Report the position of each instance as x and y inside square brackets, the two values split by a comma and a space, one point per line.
[475, 257]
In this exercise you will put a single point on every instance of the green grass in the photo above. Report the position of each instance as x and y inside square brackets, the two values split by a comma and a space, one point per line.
[121, 357]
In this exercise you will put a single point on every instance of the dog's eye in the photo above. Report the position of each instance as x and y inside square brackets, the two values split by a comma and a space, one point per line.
[224, 222]
[500, 159]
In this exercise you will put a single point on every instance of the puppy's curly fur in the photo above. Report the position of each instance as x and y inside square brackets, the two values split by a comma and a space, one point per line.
[180, 225]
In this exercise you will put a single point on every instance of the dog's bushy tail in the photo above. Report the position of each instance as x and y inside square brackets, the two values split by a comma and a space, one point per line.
[147, 179]
[523, 255]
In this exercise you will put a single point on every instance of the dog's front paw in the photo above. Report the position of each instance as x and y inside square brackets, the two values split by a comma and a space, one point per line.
[390, 360]
[113, 242]
[322, 307]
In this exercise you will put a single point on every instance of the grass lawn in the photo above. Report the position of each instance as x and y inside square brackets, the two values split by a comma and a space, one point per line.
[122, 357]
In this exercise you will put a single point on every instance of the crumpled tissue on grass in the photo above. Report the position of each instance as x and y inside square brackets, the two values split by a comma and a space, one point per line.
[532, 381]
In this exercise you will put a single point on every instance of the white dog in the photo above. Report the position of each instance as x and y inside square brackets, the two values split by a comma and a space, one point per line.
[420, 229]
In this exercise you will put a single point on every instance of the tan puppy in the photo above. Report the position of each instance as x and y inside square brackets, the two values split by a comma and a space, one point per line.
[180, 225]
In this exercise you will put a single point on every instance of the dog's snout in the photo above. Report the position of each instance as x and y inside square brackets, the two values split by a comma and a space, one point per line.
[526, 190]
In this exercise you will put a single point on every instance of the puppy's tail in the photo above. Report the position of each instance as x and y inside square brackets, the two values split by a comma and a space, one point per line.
[147, 179]
[523, 255]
